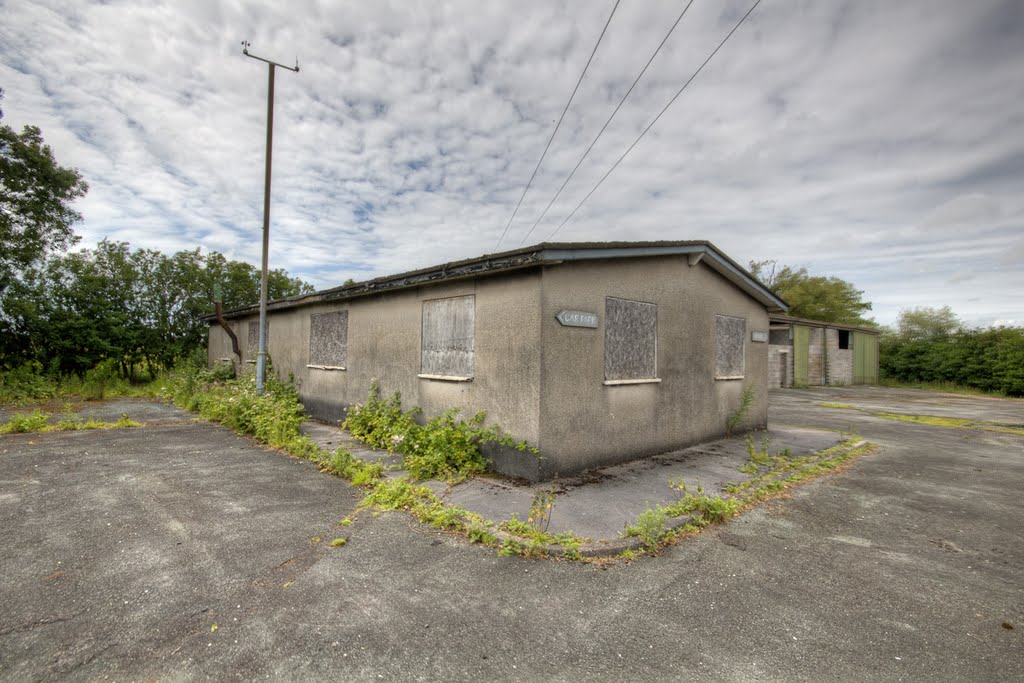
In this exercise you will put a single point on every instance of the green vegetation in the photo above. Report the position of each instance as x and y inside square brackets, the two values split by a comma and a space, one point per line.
[38, 421]
[770, 473]
[931, 348]
[935, 420]
[338, 542]
[649, 527]
[736, 417]
[443, 448]
[813, 296]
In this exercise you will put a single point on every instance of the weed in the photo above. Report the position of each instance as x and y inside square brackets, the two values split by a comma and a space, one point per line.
[338, 542]
[21, 423]
[736, 416]
[345, 522]
[443, 448]
[479, 534]
[649, 527]
[541, 507]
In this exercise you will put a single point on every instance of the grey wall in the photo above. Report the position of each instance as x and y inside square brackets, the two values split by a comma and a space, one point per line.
[542, 381]
[585, 422]
[384, 338]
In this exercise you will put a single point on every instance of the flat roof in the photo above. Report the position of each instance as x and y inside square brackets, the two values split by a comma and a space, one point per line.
[543, 254]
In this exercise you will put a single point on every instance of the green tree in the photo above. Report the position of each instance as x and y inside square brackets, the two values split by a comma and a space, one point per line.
[814, 296]
[927, 324]
[36, 193]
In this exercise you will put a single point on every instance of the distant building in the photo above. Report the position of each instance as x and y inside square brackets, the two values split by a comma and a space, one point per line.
[815, 353]
[595, 353]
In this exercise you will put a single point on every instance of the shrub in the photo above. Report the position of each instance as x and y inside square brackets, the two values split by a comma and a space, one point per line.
[443, 448]
[22, 423]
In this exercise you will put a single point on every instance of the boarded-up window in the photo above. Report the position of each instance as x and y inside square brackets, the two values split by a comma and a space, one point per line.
[254, 337]
[630, 340]
[448, 331]
[730, 337]
[328, 339]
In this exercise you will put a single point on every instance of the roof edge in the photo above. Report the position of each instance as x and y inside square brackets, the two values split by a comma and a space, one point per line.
[545, 253]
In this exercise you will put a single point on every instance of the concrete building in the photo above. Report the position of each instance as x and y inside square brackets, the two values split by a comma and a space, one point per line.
[814, 353]
[594, 353]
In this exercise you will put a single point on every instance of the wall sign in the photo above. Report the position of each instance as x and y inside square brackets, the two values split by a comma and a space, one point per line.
[577, 319]
[758, 336]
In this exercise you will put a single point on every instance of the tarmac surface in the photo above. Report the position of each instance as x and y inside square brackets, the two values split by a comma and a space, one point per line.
[181, 551]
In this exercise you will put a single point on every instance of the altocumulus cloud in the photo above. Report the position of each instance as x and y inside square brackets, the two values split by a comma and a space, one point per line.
[880, 142]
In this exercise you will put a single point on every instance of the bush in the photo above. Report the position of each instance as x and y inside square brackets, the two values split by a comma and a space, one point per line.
[26, 383]
[443, 448]
[22, 423]
[990, 360]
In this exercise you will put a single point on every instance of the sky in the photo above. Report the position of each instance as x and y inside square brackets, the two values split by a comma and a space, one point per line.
[880, 142]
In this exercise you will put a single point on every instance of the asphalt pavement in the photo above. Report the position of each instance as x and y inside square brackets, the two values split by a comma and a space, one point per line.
[180, 551]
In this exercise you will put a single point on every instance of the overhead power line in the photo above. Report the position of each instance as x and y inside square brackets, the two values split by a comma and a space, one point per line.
[663, 110]
[601, 132]
[557, 125]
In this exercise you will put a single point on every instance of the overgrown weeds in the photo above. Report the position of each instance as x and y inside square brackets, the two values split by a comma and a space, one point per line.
[772, 473]
[38, 421]
[444, 448]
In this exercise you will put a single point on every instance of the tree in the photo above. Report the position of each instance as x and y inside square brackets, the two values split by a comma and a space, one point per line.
[814, 296]
[927, 324]
[35, 201]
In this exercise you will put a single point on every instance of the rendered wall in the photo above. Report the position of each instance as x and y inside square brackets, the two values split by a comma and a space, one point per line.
[384, 335]
[583, 422]
[540, 380]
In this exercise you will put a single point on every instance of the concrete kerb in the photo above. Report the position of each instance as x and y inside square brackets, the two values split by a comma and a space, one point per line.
[596, 506]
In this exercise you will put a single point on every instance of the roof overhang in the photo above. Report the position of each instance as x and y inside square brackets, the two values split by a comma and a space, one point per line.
[544, 254]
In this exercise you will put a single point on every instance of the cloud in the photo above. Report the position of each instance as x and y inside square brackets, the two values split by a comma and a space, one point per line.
[879, 142]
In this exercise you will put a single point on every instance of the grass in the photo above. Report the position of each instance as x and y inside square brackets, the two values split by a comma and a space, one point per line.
[944, 387]
[934, 420]
[38, 421]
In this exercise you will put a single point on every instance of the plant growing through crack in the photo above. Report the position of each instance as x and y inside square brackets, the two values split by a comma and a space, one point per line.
[736, 416]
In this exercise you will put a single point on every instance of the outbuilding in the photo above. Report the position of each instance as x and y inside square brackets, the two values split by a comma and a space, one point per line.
[595, 353]
[816, 353]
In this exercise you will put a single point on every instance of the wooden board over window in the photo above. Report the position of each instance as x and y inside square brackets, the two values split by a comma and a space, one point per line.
[448, 337]
[328, 339]
[730, 341]
[630, 340]
[254, 337]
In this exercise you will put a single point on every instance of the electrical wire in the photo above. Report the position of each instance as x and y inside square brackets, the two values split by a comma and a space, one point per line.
[557, 125]
[664, 109]
[601, 132]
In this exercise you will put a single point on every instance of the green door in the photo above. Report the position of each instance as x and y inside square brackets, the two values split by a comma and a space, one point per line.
[801, 343]
[865, 358]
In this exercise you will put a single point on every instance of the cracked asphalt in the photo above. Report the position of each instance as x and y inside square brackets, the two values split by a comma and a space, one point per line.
[180, 551]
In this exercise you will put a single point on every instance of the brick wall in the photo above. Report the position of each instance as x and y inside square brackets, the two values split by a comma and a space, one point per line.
[780, 366]
[840, 361]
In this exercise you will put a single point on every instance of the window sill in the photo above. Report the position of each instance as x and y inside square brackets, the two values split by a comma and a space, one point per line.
[729, 377]
[446, 378]
[326, 367]
[620, 382]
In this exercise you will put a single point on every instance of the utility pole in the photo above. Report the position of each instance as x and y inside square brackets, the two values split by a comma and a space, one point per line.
[261, 358]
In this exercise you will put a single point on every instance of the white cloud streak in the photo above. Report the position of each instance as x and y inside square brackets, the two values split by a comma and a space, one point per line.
[879, 142]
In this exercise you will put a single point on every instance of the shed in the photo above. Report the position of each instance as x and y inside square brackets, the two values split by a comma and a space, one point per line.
[816, 353]
[595, 353]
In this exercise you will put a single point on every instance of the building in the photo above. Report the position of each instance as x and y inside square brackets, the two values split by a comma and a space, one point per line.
[814, 353]
[594, 353]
